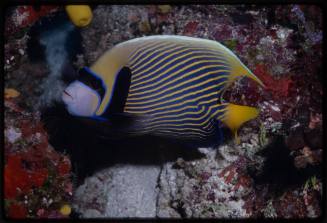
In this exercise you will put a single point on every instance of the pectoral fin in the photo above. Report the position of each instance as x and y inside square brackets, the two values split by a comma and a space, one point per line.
[115, 126]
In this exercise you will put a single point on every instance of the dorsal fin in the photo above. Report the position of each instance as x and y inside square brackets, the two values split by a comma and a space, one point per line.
[240, 70]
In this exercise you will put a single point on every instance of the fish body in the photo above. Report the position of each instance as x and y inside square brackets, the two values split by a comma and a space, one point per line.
[172, 85]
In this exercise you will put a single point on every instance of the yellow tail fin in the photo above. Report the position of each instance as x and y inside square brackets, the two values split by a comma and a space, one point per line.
[236, 115]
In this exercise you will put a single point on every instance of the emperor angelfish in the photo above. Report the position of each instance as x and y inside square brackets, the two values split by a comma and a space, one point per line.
[169, 86]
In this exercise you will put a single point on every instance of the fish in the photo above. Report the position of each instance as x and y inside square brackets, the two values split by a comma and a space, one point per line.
[168, 85]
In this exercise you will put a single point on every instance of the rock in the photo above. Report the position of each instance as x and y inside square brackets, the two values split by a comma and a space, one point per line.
[308, 156]
[197, 190]
[190, 27]
[144, 26]
[132, 191]
[90, 198]
[119, 191]
[295, 140]
[92, 213]
[167, 192]
[12, 134]
[21, 52]
[314, 138]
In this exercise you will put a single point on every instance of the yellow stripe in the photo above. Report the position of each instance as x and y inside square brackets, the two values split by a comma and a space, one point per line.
[157, 77]
[196, 131]
[126, 109]
[181, 109]
[204, 124]
[179, 115]
[133, 89]
[140, 48]
[184, 135]
[208, 102]
[207, 114]
[209, 126]
[149, 52]
[176, 130]
[202, 103]
[177, 86]
[136, 69]
[220, 117]
[198, 118]
[170, 106]
[181, 130]
[136, 74]
[142, 76]
[177, 92]
[143, 51]
[176, 99]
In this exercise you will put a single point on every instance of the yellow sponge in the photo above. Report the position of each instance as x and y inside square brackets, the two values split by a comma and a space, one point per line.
[80, 15]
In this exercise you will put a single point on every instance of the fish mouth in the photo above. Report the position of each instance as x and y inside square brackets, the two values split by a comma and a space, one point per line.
[66, 93]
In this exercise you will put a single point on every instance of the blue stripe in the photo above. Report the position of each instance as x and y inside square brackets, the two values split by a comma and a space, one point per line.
[164, 62]
[153, 79]
[163, 66]
[141, 50]
[147, 51]
[153, 104]
[156, 88]
[185, 113]
[143, 60]
[176, 120]
[187, 83]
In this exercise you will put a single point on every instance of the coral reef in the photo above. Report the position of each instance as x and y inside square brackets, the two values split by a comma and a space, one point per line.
[276, 170]
[36, 178]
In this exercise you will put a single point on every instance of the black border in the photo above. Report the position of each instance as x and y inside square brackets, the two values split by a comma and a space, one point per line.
[321, 3]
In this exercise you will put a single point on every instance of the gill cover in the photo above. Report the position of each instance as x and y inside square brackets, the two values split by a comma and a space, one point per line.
[80, 99]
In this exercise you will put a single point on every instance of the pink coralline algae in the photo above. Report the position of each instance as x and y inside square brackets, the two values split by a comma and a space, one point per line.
[278, 87]
[33, 171]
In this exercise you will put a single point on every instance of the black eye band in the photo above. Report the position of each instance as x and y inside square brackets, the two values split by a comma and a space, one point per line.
[91, 80]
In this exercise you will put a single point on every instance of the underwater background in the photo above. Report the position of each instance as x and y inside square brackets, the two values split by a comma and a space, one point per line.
[275, 172]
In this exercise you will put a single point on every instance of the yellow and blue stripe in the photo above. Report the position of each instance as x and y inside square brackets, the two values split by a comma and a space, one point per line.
[177, 87]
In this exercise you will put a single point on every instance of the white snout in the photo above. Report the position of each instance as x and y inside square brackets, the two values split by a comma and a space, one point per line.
[80, 100]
